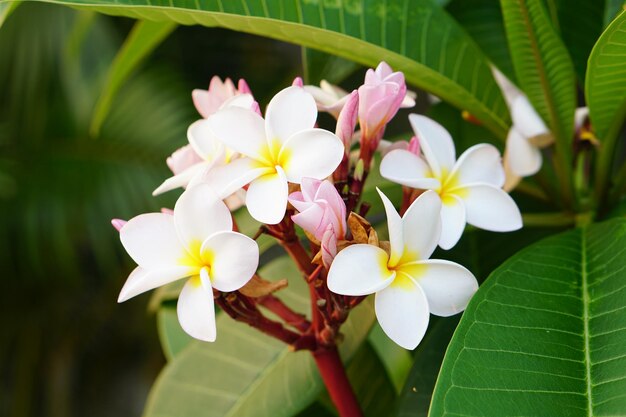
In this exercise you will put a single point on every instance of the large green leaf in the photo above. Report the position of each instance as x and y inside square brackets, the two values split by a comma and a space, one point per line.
[544, 336]
[144, 37]
[545, 73]
[414, 36]
[246, 373]
[605, 88]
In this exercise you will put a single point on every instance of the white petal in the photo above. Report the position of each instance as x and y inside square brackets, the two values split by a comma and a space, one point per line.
[447, 285]
[196, 313]
[403, 167]
[233, 257]
[181, 180]
[453, 221]
[313, 153]
[241, 130]
[151, 240]
[266, 198]
[402, 312]
[290, 111]
[142, 280]
[526, 119]
[199, 213]
[435, 142]
[359, 270]
[491, 208]
[580, 115]
[394, 226]
[480, 163]
[203, 141]
[229, 178]
[523, 158]
[509, 90]
[245, 101]
[421, 226]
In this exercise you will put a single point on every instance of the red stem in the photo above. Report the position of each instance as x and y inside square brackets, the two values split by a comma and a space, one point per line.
[336, 380]
[276, 306]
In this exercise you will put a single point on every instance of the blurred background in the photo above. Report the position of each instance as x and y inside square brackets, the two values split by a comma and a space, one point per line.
[66, 347]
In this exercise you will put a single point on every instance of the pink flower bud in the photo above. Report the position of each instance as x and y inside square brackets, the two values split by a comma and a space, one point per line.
[414, 146]
[347, 120]
[167, 211]
[329, 246]
[182, 159]
[118, 224]
[209, 101]
[380, 97]
[320, 206]
[297, 82]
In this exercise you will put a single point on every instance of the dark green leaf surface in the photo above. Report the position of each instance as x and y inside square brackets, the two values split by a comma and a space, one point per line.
[246, 373]
[544, 336]
[413, 36]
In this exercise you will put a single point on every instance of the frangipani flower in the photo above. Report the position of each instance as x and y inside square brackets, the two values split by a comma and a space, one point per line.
[191, 162]
[329, 98]
[322, 213]
[196, 243]
[470, 187]
[209, 101]
[280, 149]
[407, 284]
[528, 133]
[380, 97]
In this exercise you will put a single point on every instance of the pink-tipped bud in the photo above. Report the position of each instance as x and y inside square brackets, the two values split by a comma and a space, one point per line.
[297, 82]
[118, 224]
[414, 146]
[346, 122]
[380, 97]
[167, 211]
[320, 206]
[243, 87]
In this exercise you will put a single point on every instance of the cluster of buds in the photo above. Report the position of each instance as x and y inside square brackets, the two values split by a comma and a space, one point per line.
[288, 172]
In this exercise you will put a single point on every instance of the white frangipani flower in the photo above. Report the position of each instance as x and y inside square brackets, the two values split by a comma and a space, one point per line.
[285, 147]
[528, 133]
[407, 284]
[197, 243]
[470, 187]
[209, 151]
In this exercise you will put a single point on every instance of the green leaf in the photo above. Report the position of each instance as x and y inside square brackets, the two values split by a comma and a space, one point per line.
[605, 89]
[6, 9]
[246, 373]
[544, 336]
[482, 19]
[417, 392]
[173, 338]
[546, 74]
[413, 36]
[142, 40]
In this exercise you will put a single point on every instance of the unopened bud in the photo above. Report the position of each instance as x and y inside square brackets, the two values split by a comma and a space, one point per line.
[297, 82]
[243, 87]
[414, 146]
[359, 170]
[118, 224]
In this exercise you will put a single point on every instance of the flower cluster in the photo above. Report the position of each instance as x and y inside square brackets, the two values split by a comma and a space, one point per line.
[288, 172]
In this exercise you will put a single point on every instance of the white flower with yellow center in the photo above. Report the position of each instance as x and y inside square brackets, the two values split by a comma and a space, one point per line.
[197, 243]
[204, 152]
[280, 149]
[407, 284]
[470, 187]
